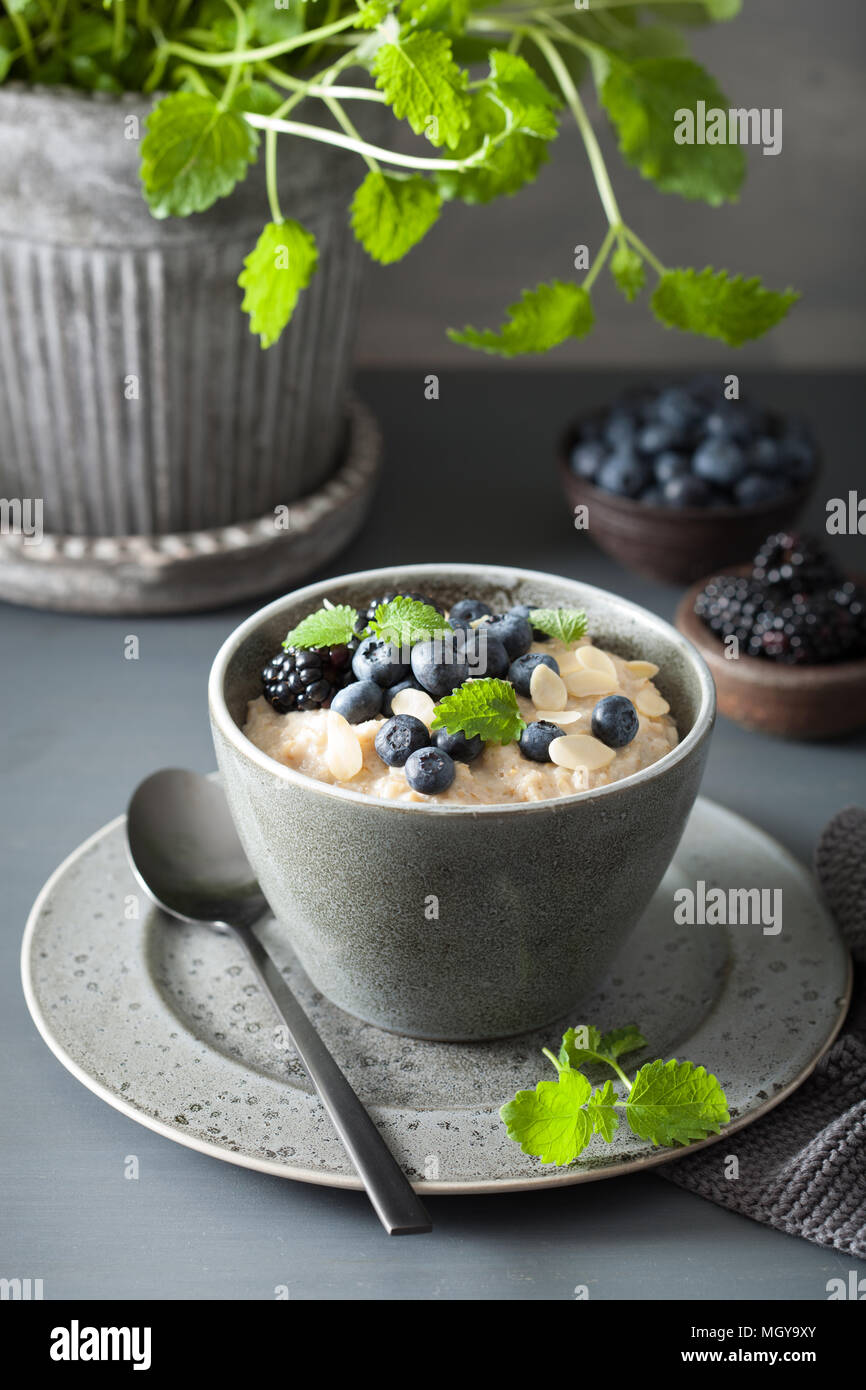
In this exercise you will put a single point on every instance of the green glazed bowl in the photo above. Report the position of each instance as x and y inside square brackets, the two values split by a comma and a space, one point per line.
[532, 900]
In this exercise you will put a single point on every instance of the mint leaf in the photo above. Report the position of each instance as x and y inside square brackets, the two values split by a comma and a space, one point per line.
[621, 1040]
[600, 1109]
[372, 13]
[405, 621]
[628, 271]
[675, 1102]
[642, 98]
[194, 152]
[579, 1045]
[717, 305]
[512, 161]
[327, 627]
[487, 708]
[551, 1122]
[567, 624]
[529, 103]
[449, 16]
[274, 273]
[392, 212]
[424, 85]
[543, 318]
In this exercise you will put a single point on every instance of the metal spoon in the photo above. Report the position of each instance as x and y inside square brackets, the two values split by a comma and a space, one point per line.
[187, 856]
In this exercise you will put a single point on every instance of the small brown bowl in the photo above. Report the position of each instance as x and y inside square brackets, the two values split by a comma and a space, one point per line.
[770, 698]
[677, 545]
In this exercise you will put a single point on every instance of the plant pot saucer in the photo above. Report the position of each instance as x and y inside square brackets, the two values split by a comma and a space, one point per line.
[195, 570]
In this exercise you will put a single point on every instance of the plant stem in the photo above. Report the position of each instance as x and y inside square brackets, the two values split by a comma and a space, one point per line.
[345, 142]
[119, 30]
[240, 45]
[25, 38]
[258, 55]
[603, 251]
[645, 251]
[555, 1060]
[271, 176]
[339, 114]
[313, 89]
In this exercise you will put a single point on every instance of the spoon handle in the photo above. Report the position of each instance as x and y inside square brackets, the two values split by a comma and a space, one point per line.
[388, 1188]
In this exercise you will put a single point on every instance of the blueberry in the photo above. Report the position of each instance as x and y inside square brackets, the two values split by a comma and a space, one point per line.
[430, 770]
[377, 661]
[719, 461]
[656, 438]
[468, 610]
[623, 473]
[765, 456]
[798, 456]
[513, 631]
[458, 746]
[758, 487]
[524, 610]
[677, 406]
[536, 739]
[484, 653]
[520, 671]
[388, 695]
[621, 428]
[686, 491]
[438, 666]
[357, 702]
[731, 420]
[670, 465]
[399, 737]
[587, 458]
[615, 721]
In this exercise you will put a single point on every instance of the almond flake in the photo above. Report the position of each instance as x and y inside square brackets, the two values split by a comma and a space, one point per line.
[589, 682]
[594, 659]
[580, 750]
[650, 702]
[568, 662]
[560, 716]
[343, 754]
[642, 668]
[547, 689]
[416, 702]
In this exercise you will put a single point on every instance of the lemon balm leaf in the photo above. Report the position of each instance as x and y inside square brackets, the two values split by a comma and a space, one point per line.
[194, 152]
[551, 1122]
[567, 624]
[274, 273]
[601, 1113]
[627, 269]
[405, 621]
[392, 212]
[423, 85]
[485, 708]
[543, 318]
[619, 1041]
[675, 1103]
[717, 305]
[325, 628]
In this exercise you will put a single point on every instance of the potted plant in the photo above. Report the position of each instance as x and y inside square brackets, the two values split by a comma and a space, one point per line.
[170, 166]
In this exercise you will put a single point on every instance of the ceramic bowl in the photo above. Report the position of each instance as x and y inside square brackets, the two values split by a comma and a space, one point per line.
[459, 922]
[770, 698]
[677, 545]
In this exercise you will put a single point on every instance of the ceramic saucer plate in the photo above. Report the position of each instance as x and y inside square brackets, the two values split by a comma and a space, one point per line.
[167, 1024]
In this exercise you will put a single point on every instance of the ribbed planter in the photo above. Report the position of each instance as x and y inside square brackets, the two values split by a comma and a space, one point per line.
[134, 400]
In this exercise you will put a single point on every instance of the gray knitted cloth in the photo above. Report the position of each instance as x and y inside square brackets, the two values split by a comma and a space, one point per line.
[802, 1168]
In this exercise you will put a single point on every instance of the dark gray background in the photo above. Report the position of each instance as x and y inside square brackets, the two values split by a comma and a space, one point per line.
[799, 220]
[468, 477]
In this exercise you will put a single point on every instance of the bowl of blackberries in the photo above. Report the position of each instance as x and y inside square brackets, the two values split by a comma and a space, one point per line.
[785, 640]
[682, 479]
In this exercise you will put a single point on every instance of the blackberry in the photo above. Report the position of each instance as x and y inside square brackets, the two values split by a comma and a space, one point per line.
[729, 605]
[366, 616]
[307, 677]
[796, 563]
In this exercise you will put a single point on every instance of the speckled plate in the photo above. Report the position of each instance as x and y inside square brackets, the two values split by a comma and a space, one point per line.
[167, 1024]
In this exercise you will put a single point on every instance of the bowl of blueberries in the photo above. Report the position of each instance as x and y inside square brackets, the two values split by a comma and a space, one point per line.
[679, 480]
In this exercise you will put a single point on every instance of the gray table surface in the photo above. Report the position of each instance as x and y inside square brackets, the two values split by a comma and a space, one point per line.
[468, 477]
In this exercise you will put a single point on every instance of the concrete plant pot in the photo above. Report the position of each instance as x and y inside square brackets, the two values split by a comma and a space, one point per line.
[135, 401]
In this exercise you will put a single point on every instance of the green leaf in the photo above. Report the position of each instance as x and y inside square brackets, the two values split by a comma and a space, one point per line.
[274, 273]
[5, 62]
[619, 1041]
[513, 160]
[270, 25]
[325, 628]
[628, 271]
[716, 305]
[405, 621]
[543, 318]
[448, 16]
[424, 85]
[259, 97]
[675, 1103]
[486, 708]
[551, 1122]
[642, 99]
[528, 102]
[601, 1112]
[580, 1045]
[697, 11]
[567, 624]
[391, 213]
[194, 152]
